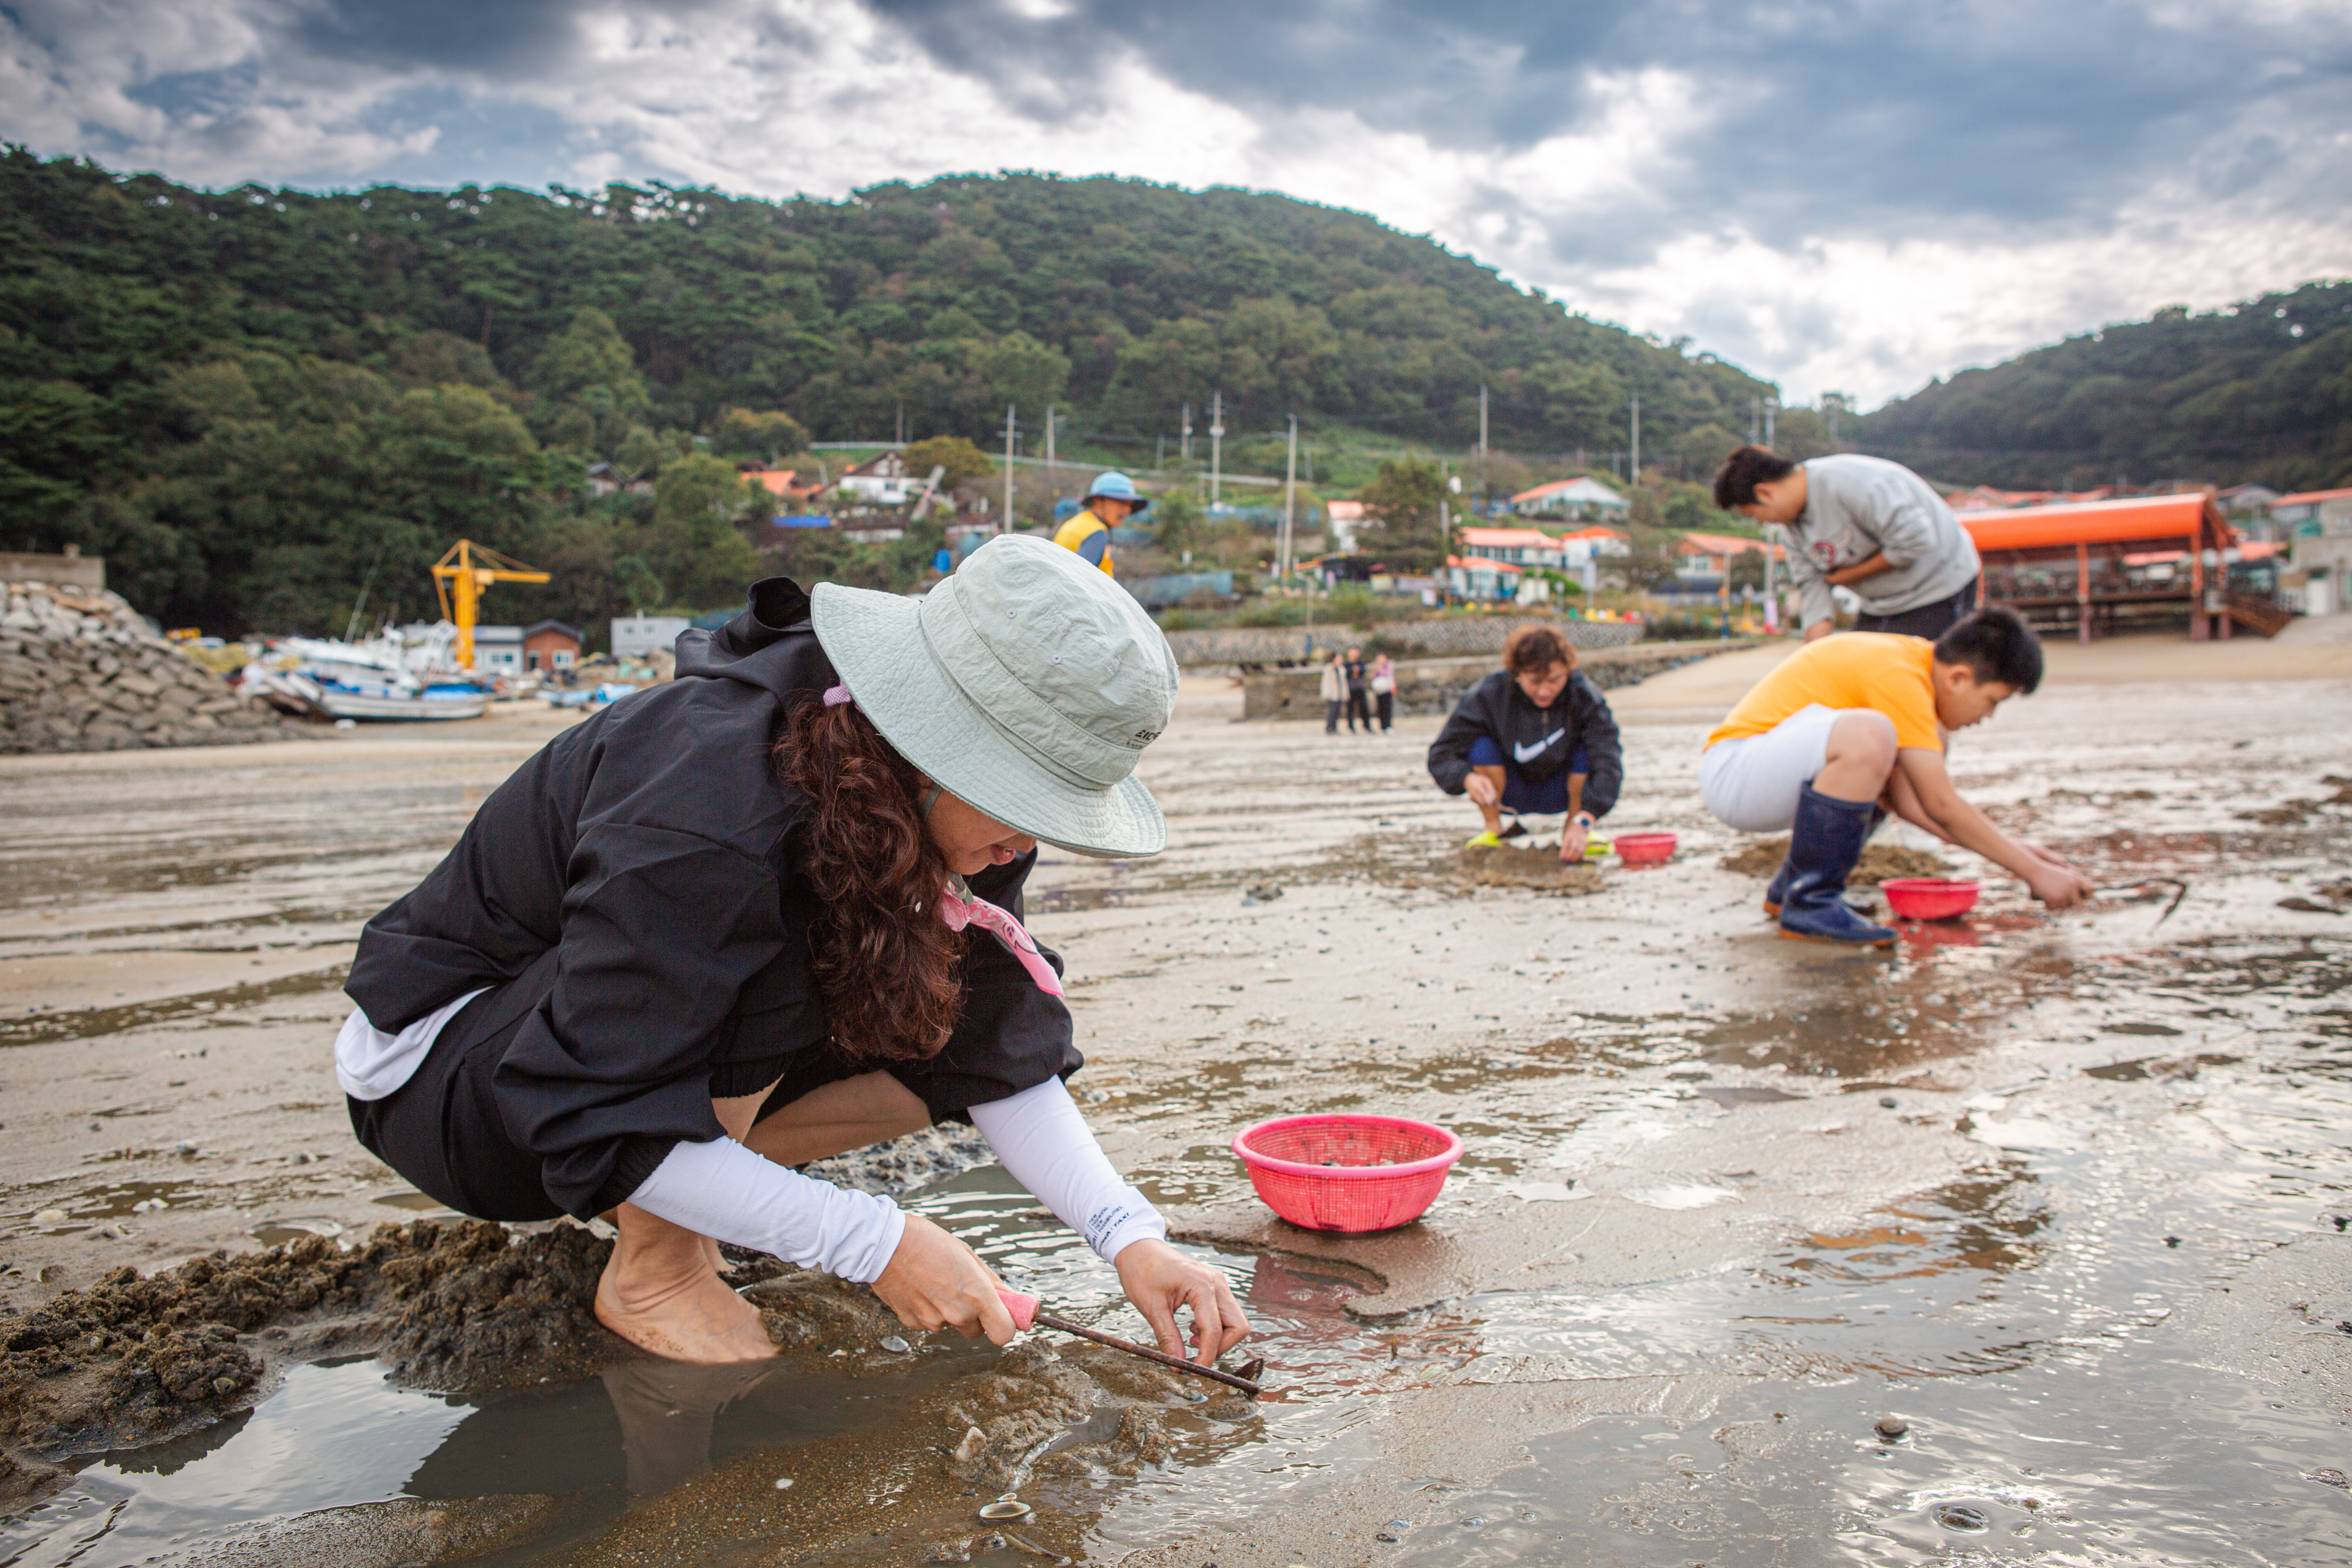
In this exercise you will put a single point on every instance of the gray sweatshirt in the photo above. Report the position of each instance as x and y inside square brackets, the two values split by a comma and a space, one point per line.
[1857, 507]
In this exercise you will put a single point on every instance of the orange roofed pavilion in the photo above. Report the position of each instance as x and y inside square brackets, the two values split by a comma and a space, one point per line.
[2110, 563]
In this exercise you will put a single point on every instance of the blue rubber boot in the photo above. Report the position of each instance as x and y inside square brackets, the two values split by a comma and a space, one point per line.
[1823, 844]
[1776, 892]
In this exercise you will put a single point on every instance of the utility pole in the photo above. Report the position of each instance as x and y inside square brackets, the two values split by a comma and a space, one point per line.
[1484, 484]
[1051, 481]
[1755, 420]
[1216, 450]
[1636, 476]
[1770, 407]
[902, 424]
[1006, 526]
[1289, 497]
[1185, 452]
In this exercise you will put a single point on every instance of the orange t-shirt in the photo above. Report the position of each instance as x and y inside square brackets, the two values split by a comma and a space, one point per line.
[1849, 669]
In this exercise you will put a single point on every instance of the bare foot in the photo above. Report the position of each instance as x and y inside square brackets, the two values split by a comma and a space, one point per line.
[660, 1294]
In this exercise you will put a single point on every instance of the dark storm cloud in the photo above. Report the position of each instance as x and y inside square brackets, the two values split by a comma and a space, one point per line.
[492, 36]
[1840, 113]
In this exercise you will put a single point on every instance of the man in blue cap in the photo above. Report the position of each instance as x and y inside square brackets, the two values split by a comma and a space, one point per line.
[1110, 501]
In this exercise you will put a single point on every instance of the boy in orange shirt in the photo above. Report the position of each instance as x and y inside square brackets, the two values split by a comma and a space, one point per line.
[1853, 724]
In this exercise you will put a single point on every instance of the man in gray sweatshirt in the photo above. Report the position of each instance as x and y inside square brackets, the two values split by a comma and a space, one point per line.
[1861, 524]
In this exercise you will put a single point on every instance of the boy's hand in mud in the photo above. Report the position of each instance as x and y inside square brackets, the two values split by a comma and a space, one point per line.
[2060, 886]
[935, 1281]
[1481, 790]
[1158, 1278]
[1572, 840]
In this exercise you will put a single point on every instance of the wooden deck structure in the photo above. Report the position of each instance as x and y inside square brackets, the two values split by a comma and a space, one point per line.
[2109, 566]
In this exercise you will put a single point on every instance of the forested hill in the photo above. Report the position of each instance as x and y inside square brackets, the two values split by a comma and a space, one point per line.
[2260, 391]
[208, 386]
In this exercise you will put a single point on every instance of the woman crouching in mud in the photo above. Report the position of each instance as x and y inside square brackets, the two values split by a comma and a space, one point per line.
[769, 912]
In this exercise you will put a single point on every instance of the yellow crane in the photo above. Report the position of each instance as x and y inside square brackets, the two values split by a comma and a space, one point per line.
[462, 574]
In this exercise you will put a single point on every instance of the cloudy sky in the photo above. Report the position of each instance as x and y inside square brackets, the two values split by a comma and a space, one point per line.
[1848, 194]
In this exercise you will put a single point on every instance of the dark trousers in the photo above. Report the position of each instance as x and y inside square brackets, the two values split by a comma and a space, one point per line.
[1929, 620]
[1359, 708]
[1386, 700]
[1331, 706]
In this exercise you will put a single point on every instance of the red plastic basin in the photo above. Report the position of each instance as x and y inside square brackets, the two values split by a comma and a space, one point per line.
[1644, 849]
[1348, 1174]
[1928, 898]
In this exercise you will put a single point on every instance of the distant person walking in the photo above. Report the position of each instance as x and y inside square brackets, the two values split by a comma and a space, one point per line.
[1860, 523]
[1335, 694]
[1358, 692]
[1110, 500]
[1534, 737]
[1384, 690]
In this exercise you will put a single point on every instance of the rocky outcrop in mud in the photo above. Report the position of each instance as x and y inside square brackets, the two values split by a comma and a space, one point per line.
[460, 1308]
[79, 671]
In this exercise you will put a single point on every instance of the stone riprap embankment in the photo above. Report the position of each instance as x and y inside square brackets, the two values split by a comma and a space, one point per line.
[79, 671]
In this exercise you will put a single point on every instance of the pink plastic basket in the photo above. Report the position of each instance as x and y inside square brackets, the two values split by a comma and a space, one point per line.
[1928, 898]
[1643, 848]
[1351, 1175]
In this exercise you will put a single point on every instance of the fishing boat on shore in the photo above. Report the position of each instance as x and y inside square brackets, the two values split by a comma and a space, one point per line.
[391, 679]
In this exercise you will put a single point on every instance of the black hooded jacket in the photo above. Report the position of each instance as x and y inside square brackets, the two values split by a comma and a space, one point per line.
[654, 848]
[1537, 740]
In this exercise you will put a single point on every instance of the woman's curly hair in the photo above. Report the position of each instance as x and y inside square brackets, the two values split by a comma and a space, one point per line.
[890, 971]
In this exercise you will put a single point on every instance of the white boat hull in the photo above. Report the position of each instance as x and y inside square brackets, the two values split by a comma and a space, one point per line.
[379, 710]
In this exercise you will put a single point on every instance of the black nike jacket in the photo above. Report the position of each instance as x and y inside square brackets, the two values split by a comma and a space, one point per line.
[1537, 742]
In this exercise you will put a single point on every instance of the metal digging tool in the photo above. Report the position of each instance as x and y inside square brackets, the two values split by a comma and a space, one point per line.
[1026, 1315]
[2179, 892]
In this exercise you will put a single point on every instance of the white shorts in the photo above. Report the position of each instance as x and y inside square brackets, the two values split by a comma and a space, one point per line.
[1752, 784]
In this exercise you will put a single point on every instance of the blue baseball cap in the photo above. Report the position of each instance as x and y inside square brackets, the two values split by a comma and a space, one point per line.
[1116, 486]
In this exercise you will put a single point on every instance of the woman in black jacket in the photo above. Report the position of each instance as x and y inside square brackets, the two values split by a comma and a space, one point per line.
[725, 927]
[1534, 737]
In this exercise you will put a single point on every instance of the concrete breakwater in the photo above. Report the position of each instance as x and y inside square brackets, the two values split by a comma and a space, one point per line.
[1434, 637]
[79, 671]
[1435, 685]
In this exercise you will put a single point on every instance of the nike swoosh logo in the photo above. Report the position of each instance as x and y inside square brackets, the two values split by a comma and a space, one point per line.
[1529, 753]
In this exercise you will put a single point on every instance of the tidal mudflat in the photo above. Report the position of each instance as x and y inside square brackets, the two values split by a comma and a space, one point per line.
[2028, 1241]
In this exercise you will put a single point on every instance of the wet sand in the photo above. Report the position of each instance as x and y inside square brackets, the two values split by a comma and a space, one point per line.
[1692, 1251]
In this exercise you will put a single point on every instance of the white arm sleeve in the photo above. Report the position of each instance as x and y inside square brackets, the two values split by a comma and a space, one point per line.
[722, 1189]
[1047, 1147]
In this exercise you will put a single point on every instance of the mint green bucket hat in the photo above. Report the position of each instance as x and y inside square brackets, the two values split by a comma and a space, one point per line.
[1026, 685]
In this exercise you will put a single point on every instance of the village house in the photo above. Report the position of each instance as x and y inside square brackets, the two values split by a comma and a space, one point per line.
[1589, 544]
[497, 650]
[1583, 499]
[1476, 577]
[604, 479]
[1343, 519]
[883, 481]
[1702, 561]
[1520, 546]
[2319, 523]
[549, 647]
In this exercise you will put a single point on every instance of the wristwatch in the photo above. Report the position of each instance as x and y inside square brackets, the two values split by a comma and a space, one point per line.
[1581, 819]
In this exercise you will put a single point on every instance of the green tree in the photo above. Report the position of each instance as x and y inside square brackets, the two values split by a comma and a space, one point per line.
[771, 437]
[1177, 521]
[1019, 370]
[966, 465]
[1404, 508]
[696, 543]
